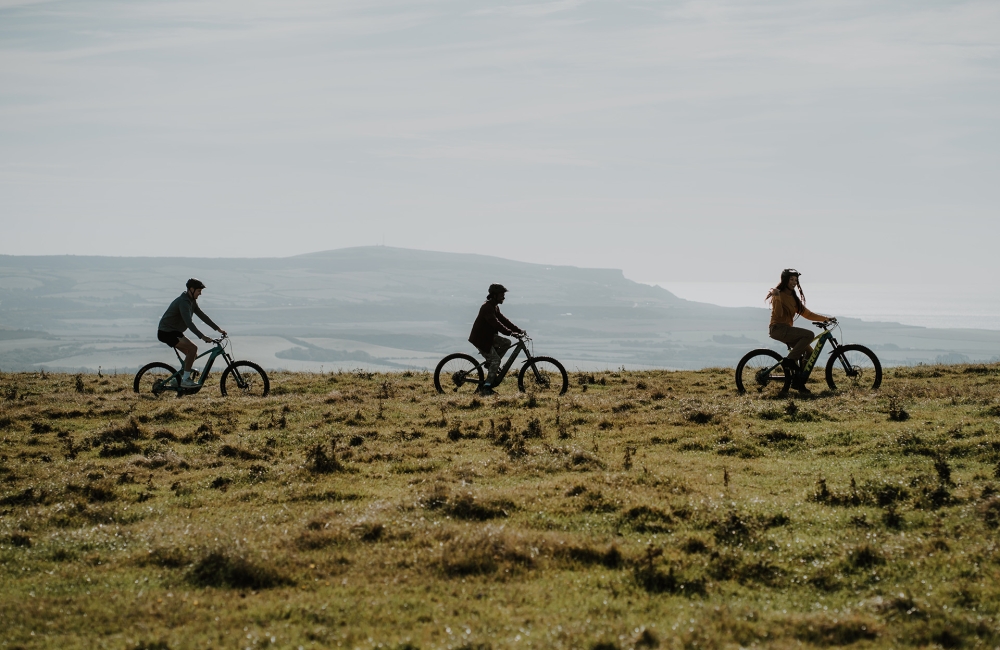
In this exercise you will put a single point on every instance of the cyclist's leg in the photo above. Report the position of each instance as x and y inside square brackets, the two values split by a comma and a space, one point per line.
[797, 338]
[492, 365]
[189, 350]
[801, 348]
[493, 358]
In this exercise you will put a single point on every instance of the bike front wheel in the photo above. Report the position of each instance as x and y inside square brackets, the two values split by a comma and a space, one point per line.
[458, 373]
[760, 373]
[152, 377]
[853, 366]
[245, 378]
[543, 375]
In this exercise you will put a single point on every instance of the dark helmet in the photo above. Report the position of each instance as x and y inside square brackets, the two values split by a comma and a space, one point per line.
[787, 273]
[195, 283]
[496, 290]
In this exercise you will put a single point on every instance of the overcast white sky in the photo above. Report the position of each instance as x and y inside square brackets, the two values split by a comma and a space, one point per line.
[675, 140]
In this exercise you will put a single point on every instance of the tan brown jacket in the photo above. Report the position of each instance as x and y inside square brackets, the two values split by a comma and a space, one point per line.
[783, 309]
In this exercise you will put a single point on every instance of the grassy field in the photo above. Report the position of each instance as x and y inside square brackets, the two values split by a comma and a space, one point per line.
[639, 510]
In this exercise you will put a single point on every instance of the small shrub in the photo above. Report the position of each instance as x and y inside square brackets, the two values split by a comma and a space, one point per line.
[782, 440]
[892, 518]
[588, 556]
[655, 581]
[487, 552]
[896, 411]
[836, 632]
[989, 512]
[169, 558]
[20, 540]
[943, 470]
[229, 451]
[646, 519]
[319, 462]
[466, 506]
[699, 417]
[864, 557]
[694, 545]
[220, 569]
[370, 531]
[534, 429]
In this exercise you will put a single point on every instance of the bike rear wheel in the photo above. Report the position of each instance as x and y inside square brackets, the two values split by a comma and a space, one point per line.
[543, 375]
[756, 374]
[458, 373]
[853, 366]
[245, 378]
[151, 377]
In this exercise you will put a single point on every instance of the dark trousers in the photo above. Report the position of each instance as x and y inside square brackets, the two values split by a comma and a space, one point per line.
[797, 338]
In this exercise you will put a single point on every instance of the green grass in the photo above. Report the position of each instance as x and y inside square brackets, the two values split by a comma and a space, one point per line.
[640, 510]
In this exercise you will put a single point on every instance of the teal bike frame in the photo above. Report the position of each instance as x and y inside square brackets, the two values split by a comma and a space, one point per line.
[173, 382]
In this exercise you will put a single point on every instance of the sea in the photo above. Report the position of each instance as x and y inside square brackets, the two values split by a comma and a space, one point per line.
[924, 305]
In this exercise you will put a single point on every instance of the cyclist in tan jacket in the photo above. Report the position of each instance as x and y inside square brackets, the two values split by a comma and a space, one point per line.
[785, 306]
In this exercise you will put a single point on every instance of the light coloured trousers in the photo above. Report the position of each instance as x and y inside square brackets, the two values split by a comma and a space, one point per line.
[797, 338]
[494, 355]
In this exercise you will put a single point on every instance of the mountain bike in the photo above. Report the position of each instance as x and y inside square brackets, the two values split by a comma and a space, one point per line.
[850, 366]
[242, 377]
[461, 372]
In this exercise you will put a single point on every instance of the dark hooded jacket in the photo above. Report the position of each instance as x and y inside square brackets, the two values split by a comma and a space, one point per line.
[489, 323]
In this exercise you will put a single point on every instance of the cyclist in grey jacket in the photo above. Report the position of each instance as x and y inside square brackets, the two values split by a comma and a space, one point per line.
[180, 317]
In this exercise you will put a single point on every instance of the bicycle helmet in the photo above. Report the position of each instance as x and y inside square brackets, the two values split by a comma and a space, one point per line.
[195, 283]
[496, 290]
[787, 273]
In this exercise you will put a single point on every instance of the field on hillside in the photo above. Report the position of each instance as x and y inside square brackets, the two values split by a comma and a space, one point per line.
[639, 510]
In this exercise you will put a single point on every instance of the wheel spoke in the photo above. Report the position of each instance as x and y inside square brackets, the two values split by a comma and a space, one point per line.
[854, 367]
[153, 378]
[458, 373]
[245, 378]
[543, 375]
[760, 373]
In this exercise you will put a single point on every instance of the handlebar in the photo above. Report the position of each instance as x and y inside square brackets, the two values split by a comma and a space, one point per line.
[826, 324]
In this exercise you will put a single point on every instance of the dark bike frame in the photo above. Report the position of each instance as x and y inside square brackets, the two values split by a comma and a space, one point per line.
[820, 340]
[517, 349]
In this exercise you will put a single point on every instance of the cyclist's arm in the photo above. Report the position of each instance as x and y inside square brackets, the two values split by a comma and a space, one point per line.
[813, 316]
[208, 321]
[505, 324]
[185, 310]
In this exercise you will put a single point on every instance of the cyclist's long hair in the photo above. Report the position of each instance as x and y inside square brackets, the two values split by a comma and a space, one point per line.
[782, 286]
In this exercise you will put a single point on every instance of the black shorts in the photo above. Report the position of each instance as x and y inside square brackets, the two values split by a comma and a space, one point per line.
[170, 338]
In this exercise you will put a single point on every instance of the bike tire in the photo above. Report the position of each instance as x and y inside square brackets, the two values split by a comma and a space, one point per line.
[750, 380]
[245, 378]
[458, 372]
[547, 376]
[145, 380]
[861, 360]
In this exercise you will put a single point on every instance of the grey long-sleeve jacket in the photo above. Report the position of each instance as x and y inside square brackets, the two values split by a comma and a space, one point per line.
[178, 316]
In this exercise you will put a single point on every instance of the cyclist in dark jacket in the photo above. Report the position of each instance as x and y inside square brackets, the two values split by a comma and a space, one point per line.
[177, 319]
[486, 333]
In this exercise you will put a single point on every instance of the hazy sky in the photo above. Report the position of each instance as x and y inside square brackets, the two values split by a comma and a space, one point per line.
[675, 140]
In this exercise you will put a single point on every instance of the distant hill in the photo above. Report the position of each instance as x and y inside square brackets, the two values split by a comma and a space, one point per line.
[391, 308]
